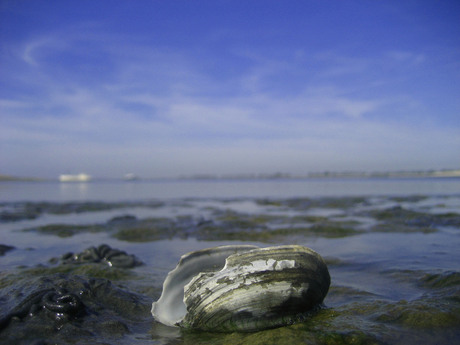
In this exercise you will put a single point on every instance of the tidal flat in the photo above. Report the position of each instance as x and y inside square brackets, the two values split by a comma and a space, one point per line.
[394, 264]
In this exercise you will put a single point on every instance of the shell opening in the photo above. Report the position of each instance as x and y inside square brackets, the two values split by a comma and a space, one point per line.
[170, 308]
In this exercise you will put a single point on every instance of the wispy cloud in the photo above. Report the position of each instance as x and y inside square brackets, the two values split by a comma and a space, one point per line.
[411, 58]
[114, 101]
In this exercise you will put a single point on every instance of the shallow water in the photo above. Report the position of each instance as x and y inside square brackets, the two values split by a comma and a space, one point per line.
[393, 260]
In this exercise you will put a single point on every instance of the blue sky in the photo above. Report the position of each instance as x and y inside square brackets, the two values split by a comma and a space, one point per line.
[169, 88]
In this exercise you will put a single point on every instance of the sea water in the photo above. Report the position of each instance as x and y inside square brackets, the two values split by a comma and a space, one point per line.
[151, 189]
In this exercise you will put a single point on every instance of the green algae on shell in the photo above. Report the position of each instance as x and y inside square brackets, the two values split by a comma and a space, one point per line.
[257, 288]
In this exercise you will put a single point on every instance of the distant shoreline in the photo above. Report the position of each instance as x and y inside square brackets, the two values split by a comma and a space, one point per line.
[392, 174]
[447, 173]
[5, 178]
[329, 174]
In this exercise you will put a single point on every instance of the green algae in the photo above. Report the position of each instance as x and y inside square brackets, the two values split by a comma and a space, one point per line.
[408, 198]
[397, 213]
[146, 230]
[32, 210]
[269, 202]
[333, 230]
[402, 228]
[269, 228]
[86, 206]
[307, 219]
[325, 202]
[244, 220]
[329, 230]
[399, 219]
[66, 208]
[66, 230]
[400, 216]
[144, 234]
[316, 330]
[305, 204]
[343, 295]
[441, 280]
[420, 314]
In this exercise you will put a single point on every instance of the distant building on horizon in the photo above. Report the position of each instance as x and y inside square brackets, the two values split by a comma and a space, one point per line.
[75, 178]
[130, 177]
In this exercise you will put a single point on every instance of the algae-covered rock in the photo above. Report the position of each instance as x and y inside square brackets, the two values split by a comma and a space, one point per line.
[146, 230]
[442, 280]
[419, 314]
[400, 219]
[103, 253]
[59, 307]
[66, 230]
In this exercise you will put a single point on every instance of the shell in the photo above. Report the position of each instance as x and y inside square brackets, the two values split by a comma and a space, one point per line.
[243, 288]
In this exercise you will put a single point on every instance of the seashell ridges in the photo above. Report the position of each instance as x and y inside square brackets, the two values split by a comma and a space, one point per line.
[257, 288]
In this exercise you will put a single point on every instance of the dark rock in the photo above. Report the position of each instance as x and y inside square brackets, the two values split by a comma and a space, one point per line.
[103, 253]
[60, 307]
[56, 303]
[5, 248]
[122, 219]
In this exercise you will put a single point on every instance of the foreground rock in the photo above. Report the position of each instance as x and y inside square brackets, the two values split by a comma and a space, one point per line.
[60, 307]
[103, 253]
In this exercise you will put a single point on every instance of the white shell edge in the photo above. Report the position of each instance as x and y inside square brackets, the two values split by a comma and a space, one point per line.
[170, 308]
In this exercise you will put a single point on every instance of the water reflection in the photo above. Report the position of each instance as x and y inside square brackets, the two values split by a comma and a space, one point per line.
[74, 191]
